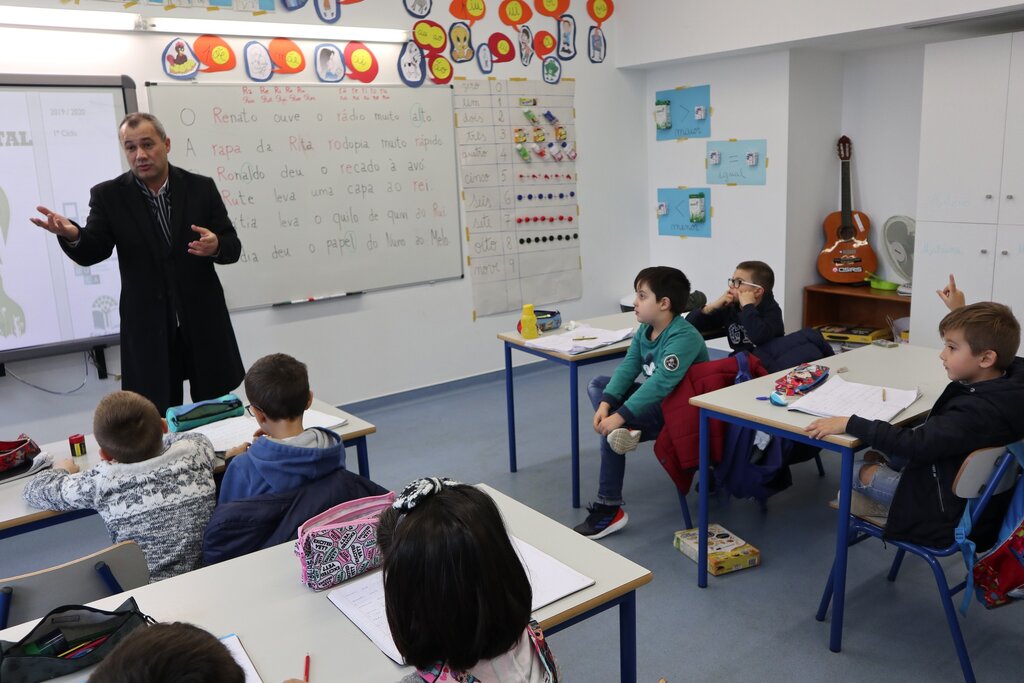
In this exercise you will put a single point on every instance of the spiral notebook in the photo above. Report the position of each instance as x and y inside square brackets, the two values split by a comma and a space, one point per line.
[839, 398]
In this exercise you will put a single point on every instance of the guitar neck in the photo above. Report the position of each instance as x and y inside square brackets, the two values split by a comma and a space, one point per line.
[846, 208]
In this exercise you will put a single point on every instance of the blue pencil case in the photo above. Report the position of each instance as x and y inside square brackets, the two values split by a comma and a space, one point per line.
[192, 415]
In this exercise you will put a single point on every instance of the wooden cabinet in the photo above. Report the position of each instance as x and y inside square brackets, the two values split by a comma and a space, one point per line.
[970, 199]
[824, 304]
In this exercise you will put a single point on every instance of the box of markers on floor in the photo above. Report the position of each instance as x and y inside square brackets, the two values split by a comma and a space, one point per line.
[727, 552]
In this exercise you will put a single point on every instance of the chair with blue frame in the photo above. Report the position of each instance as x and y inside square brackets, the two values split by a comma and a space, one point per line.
[985, 473]
[112, 570]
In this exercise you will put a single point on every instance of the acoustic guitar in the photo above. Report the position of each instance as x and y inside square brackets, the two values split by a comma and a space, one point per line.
[847, 257]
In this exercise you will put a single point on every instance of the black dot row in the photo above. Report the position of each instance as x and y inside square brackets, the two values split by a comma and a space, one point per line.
[549, 238]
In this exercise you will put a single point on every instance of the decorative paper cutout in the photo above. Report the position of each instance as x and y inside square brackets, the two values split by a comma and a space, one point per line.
[410, 65]
[543, 43]
[551, 8]
[258, 65]
[418, 8]
[525, 45]
[440, 69]
[214, 54]
[468, 10]
[329, 62]
[597, 48]
[327, 10]
[286, 55]
[600, 10]
[430, 36]
[566, 37]
[514, 13]
[462, 45]
[551, 70]
[502, 49]
[362, 63]
[178, 59]
[484, 59]
[688, 211]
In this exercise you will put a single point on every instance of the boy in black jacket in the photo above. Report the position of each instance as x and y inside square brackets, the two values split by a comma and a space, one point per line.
[747, 310]
[982, 406]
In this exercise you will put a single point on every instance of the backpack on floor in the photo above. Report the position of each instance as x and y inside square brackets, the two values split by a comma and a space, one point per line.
[997, 576]
[754, 464]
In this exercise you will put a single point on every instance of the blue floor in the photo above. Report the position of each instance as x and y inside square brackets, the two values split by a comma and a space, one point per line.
[757, 624]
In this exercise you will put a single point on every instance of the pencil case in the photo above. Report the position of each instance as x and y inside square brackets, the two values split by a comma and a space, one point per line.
[17, 452]
[68, 639]
[797, 382]
[341, 543]
[192, 415]
[546, 321]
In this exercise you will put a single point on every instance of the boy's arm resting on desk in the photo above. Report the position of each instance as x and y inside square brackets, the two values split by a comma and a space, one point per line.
[954, 433]
[762, 325]
[58, 490]
[704, 322]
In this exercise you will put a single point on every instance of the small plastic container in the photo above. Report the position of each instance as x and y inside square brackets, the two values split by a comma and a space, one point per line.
[528, 323]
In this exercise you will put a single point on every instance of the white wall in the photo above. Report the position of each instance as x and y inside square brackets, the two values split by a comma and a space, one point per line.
[667, 30]
[382, 342]
[882, 115]
[749, 100]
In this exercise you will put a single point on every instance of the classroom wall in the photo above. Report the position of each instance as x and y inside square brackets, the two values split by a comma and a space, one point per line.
[882, 115]
[668, 30]
[383, 342]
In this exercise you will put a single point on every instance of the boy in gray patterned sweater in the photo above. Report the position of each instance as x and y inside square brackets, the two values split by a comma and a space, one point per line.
[157, 491]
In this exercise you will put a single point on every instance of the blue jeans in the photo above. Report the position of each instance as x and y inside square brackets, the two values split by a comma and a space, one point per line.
[613, 465]
[883, 484]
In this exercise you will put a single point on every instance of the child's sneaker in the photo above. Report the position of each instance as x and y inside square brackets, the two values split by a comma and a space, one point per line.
[623, 440]
[866, 508]
[602, 520]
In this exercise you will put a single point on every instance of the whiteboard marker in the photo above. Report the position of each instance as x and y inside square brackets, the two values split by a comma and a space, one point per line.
[309, 299]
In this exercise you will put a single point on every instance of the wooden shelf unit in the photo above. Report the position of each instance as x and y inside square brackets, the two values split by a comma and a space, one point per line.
[845, 304]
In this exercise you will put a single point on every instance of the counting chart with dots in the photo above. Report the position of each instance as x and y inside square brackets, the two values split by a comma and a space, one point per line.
[516, 150]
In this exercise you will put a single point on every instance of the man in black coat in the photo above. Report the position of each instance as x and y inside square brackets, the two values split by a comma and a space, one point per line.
[169, 227]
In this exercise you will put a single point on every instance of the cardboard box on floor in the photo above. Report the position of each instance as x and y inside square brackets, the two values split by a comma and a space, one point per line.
[727, 552]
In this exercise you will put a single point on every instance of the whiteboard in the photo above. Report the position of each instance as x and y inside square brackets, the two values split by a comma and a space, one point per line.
[58, 138]
[332, 189]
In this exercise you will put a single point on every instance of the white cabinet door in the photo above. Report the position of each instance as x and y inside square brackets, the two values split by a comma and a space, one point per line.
[1011, 193]
[1008, 279]
[963, 114]
[966, 250]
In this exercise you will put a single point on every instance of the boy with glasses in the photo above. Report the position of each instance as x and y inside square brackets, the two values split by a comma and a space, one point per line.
[283, 456]
[747, 311]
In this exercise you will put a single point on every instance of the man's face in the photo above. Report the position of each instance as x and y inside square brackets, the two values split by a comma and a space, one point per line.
[146, 153]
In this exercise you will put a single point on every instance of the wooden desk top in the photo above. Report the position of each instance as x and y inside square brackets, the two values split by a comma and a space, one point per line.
[903, 367]
[14, 511]
[260, 598]
[615, 321]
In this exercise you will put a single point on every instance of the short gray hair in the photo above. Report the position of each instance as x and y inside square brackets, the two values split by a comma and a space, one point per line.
[136, 119]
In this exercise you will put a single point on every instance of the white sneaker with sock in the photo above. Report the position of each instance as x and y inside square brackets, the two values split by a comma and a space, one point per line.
[623, 440]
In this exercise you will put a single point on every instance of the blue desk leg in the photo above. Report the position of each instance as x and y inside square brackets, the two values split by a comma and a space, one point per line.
[627, 638]
[574, 429]
[842, 546]
[702, 510]
[510, 407]
[363, 456]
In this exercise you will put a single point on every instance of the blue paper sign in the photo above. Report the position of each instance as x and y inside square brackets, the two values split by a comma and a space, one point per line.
[684, 211]
[684, 113]
[736, 162]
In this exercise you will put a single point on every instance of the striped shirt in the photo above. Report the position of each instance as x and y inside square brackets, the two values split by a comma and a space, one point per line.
[159, 204]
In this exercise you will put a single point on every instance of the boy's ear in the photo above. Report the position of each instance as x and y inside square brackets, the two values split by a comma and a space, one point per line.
[107, 458]
[309, 401]
[664, 304]
[163, 424]
[987, 358]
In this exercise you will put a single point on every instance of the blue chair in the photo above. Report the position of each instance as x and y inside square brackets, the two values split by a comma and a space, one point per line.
[106, 572]
[985, 473]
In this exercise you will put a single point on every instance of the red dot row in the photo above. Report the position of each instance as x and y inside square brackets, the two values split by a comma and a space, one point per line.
[542, 219]
[545, 176]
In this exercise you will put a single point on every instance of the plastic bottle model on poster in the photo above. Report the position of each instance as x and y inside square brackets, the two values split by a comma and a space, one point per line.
[529, 323]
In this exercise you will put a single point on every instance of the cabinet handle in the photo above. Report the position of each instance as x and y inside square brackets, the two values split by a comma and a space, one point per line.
[1009, 196]
[984, 251]
[1005, 252]
[988, 196]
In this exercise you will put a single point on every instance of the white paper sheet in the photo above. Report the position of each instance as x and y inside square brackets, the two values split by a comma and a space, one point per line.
[233, 431]
[837, 397]
[362, 599]
[234, 646]
[584, 338]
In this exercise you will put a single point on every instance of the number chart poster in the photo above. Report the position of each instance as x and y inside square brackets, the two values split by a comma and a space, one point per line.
[516, 151]
[684, 211]
[683, 113]
[736, 162]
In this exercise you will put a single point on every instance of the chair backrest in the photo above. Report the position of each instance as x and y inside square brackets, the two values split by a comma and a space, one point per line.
[978, 469]
[76, 582]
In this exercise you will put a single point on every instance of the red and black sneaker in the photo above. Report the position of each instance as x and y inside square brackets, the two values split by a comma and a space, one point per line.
[602, 520]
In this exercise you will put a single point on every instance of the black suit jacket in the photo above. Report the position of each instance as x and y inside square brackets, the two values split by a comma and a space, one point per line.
[163, 286]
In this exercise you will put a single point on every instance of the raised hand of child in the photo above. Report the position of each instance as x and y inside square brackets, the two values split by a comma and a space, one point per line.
[826, 426]
[723, 300]
[951, 296]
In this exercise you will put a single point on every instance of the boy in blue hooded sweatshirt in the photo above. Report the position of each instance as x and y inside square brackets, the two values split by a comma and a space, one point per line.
[283, 456]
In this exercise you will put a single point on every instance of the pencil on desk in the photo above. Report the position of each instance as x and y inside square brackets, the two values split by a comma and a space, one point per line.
[582, 338]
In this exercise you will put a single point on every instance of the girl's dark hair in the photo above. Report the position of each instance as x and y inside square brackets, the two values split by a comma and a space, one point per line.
[454, 587]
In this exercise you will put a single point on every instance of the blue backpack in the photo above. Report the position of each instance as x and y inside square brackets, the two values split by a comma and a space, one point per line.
[751, 467]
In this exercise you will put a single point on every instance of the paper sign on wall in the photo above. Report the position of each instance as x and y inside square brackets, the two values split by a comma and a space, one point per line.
[684, 211]
[683, 113]
[736, 162]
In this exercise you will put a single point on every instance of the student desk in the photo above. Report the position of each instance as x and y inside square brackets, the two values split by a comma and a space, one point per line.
[16, 516]
[903, 367]
[260, 598]
[514, 340]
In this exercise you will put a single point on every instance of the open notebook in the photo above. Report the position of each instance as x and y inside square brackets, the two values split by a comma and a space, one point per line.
[229, 433]
[837, 397]
[362, 599]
